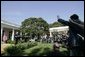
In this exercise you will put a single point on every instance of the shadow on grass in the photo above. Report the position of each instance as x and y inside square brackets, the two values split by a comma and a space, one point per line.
[64, 53]
[34, 52]
[61, 53]
[41, 52]
[45, 51]
[49, 52]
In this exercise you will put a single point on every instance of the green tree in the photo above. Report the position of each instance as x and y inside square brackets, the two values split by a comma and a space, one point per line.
[34, 27]
[55, 24]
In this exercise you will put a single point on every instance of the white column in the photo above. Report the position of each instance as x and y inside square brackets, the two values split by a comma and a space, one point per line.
[1, 33]
[50, 34]
[12, 35]
[21, 35]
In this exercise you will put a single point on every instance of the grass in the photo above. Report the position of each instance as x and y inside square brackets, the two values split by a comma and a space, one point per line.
[62, 49]
[44, 49]
[33, 49]
[39, 50]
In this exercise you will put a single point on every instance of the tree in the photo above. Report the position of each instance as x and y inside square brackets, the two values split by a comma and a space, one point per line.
[34, 27]
[55, 24]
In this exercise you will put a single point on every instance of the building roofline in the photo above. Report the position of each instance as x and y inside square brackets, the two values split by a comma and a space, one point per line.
[59, 27]
[9, 23]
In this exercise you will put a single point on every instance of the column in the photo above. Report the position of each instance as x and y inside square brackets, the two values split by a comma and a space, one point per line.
[12, 35]
[21, 36]
[1, 33]
[50, 34]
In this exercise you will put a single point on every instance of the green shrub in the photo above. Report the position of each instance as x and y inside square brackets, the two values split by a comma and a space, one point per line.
[13, 51]
[26, 45]
[22, 46]
[29, 49]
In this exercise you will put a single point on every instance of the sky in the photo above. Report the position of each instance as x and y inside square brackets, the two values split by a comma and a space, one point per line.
[18, 11]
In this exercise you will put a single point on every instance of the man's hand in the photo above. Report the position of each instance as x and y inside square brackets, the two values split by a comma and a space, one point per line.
[58, 17]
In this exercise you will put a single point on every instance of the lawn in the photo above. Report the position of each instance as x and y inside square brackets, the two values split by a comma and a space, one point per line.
[42, 49]
[33, 49]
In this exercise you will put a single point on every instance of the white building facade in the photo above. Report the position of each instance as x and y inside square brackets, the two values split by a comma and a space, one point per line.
[63, 29]
[8, 30]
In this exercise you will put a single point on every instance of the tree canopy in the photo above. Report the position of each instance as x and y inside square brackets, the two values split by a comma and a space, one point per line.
[55, 24]
[34, 26]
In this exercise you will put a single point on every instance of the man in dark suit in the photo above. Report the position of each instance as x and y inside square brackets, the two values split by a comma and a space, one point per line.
[76, 28]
